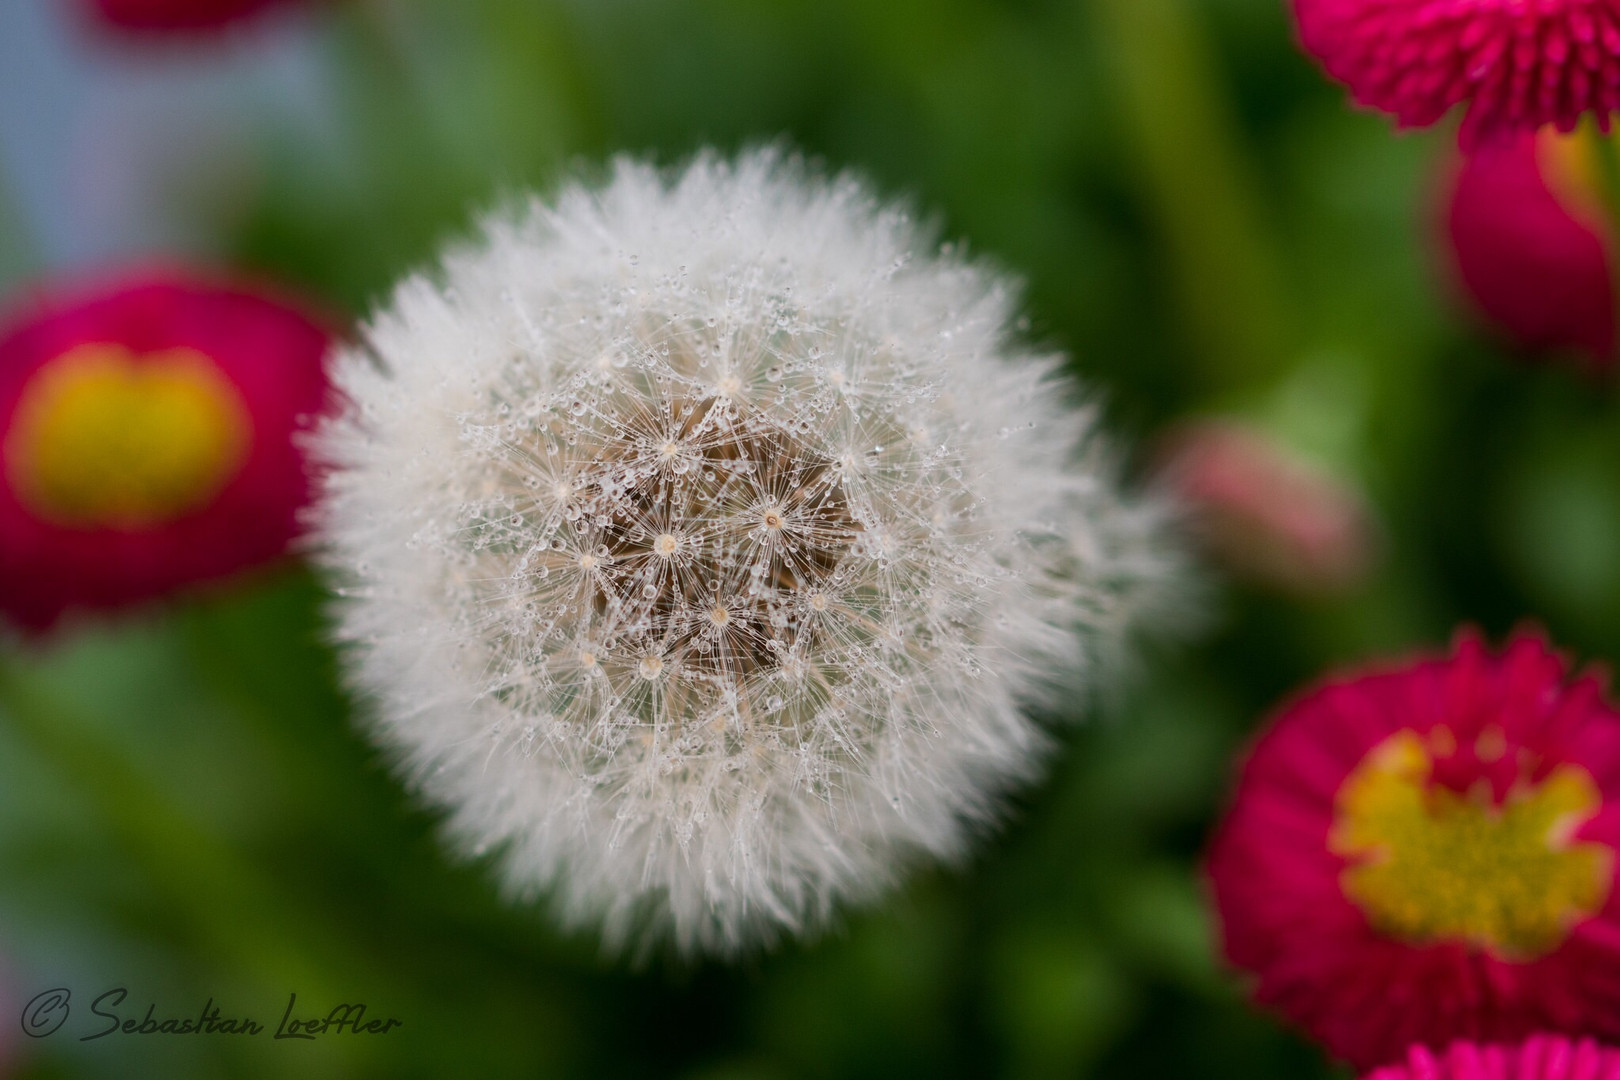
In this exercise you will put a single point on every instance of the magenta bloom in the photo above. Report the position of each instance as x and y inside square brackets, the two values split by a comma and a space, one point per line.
[1541, 1057]
[148, 440]
[1426, 852]
[1516, 64]
[1533, 246]
[172, 15]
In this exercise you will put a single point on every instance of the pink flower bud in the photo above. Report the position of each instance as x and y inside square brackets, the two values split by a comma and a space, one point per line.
[1267, 514]
[1532, 245]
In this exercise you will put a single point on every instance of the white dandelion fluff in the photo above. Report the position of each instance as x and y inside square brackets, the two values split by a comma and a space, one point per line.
[701, 538]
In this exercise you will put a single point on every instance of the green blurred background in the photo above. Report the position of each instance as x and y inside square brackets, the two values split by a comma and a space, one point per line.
[186, 809]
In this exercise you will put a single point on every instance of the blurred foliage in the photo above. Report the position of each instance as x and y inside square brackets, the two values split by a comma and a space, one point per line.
[189, 808]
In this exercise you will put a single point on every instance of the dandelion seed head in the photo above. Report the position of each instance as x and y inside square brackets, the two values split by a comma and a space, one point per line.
[773, 645]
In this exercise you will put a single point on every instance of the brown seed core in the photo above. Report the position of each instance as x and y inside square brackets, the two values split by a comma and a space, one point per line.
[689, 574]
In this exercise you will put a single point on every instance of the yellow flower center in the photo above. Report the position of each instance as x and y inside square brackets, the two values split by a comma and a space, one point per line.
[103, 438]
[1429, 864]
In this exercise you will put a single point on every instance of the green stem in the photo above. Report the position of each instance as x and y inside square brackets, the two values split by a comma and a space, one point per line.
[232, 906]
[1178, 123]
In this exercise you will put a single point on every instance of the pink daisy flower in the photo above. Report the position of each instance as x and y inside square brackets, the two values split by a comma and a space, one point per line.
[146, 438]
[1426, 852]
[1540, 1057]
[1516, 64]
[1532, 245]
[176, 15]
